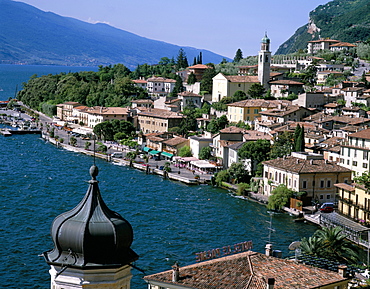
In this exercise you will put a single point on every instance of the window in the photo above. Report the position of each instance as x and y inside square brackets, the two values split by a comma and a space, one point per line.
[322, 183]
[364, 165]
[328, 183]
[365, 155]
[328, 197]
[321, 197]
[354, 163]
[304, 184]
[256, 111]
[349, 152]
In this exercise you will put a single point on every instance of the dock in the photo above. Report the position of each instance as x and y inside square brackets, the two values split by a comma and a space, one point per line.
[10, 132]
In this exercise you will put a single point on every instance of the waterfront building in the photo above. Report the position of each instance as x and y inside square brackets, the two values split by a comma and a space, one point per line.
[98, 114]
[248, 270]
[158, 120]
[355, 152]
[196, 144]
[92, 245]
[305, 172]
[64, 110]
[354, 202]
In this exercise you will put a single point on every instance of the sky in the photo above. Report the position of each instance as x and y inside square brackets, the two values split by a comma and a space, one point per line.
[219, 26]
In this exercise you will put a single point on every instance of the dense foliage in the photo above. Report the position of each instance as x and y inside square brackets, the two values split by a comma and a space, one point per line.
[344, 20]
[331, 243]
[109, 86]
[279, 197]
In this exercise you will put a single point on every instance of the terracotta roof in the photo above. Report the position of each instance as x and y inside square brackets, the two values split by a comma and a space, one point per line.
[252, 135]
[107, 110]
[286, 82]
[346, 187]
[160, 79]
[352, 89]
[350, 120]
[232, 129]
[160, 113]
[175, 141]
[365, 134]
[139, 81]
[281, 112]
[199, 66]
[249, 270]
[333, 141]
[254, 103]
[155, 138]
[323, 40]
[189, 93]
[240, 78]
[302, 166]
[332, 105]
[343, 44]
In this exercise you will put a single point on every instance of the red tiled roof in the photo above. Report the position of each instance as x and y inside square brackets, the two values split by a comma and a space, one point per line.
[160, 113]
[365, 134]
[249, 270]
[302, 166]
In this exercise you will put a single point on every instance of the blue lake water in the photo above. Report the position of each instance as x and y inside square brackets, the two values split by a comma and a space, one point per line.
[171, 221]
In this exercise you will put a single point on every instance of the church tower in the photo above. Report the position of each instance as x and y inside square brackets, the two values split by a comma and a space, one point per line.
[92, 245]
[264, 60]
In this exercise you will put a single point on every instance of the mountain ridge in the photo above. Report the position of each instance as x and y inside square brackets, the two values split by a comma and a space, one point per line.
[48, 38]
[343, 20]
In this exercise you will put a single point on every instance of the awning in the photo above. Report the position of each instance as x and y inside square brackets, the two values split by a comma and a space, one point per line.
[153, 152]
[146, 149]
[167, 154]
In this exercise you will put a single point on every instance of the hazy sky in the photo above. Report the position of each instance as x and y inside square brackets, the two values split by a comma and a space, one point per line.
[219, 26]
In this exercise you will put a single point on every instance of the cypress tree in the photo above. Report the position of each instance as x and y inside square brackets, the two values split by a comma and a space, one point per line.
[301, 138]
[238, 56]
[194, 61]
[297, 135]
[200, 58]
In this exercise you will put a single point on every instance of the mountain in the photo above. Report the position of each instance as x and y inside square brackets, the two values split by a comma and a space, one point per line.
[344, 20]
[31, 36]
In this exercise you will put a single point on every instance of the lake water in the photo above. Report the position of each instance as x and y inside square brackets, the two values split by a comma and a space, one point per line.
[171, 221]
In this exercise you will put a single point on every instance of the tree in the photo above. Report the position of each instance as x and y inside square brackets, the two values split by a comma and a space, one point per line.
[222, 176]
[215, 125]
[182, 61]
[238, 173]
[191, 78]
[87, 145]
[331, 243]
[256, 151]
[279, 197]
[256, 91]
[283, 145]
[185, 151]
[207, 81]
[238, 56]
[299, 144]
[364, 180]
[72, 141]
[205, 153]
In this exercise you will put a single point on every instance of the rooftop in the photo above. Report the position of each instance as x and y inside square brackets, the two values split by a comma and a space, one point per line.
[248, 270]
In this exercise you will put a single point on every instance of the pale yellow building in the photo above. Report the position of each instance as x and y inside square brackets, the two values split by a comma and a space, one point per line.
[354, 202]
[247, 110]
[227, 85]
[305, 172]
[158, 120]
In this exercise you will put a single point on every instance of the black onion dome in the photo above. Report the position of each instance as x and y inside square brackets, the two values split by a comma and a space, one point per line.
[91, 235]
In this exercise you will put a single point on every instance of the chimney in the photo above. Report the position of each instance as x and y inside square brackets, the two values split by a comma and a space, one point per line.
[175, 272]
[268, 250]
[342, 270]
[270, 283]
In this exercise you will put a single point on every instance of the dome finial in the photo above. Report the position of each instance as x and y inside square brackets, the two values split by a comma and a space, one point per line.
[94, 171]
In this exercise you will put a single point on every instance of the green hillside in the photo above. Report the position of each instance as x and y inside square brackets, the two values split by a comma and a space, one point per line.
[344, 20]
[31, 36]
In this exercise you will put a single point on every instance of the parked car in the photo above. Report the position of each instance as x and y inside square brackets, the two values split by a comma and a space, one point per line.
[327, 207]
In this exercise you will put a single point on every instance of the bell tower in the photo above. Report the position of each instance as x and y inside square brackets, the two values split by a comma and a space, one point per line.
[91, 245]
[264, 61]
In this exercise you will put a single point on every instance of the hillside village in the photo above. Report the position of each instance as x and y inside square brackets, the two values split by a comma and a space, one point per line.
[334, 121]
